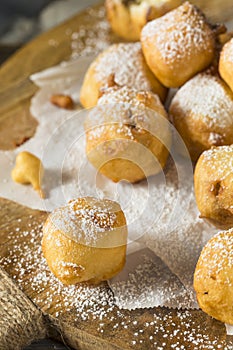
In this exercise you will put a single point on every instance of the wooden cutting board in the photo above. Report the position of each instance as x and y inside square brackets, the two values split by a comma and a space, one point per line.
[41, 306]
[97, 326]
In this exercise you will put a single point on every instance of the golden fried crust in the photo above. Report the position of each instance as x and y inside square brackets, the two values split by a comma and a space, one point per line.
[119, 65]
[73, 262]
[118, 168]
[226, 63]
[90, 90]
[213, 181]
[124, 142]
[213, 277]
[201, 111]
[178, 45]
[127, 18]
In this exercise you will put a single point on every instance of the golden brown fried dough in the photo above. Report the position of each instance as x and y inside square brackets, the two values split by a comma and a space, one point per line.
[202, 113]
[226, 63]
[213, 180]
[127, 135]
[178, 45]
[85, 240]
[213, 278]
[127, 17]
[119, 65]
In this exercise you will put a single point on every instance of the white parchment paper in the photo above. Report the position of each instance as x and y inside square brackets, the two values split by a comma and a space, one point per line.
[161, 212]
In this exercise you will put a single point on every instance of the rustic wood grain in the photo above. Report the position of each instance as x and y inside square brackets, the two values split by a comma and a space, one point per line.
[16, 89]
[161, 328]
[20, 236]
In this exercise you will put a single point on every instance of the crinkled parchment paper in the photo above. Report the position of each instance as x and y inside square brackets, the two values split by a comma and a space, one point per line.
[165, 233]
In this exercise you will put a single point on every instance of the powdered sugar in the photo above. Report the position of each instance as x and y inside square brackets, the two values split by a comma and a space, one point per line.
[124, 107]
[208, 99]
[98, 302]
[126, 62]
[93, 307]
[150, 283]
[89, 221]
[218, 255]
[157, 209]
[178, 34]
[178, 238]
[48, 291]
[220, 160]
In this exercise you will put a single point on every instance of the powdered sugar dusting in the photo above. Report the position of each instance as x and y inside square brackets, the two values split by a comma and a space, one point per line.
[124, 111]
[49, 293]
[88, 221]
[220, 160]
[178, 34]
[126, 62]
[90, 303]
[93, 307]
[150, 283]
[179, 239]
[153, 208]
[207, 98]
[124, 107]
[217, 255]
